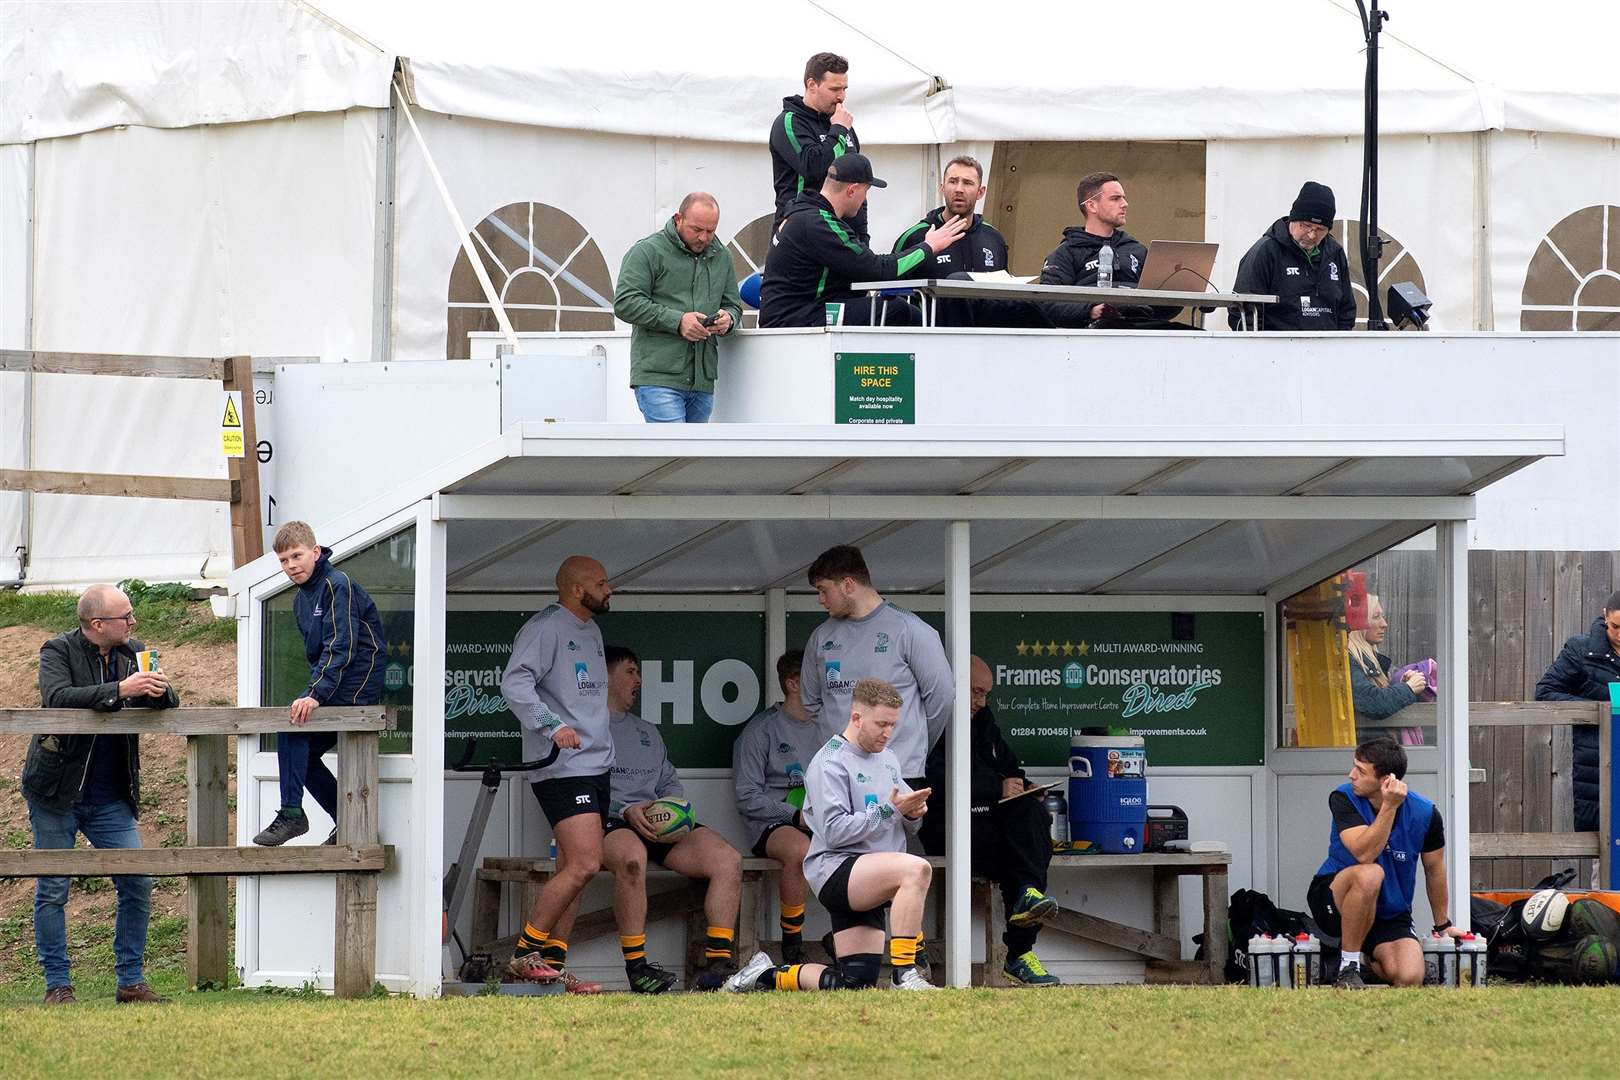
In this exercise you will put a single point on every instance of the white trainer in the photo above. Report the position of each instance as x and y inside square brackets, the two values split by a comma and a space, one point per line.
[744, 980]
[911, 979]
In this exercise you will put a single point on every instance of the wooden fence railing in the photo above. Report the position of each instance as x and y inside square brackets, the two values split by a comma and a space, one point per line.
[208, 859]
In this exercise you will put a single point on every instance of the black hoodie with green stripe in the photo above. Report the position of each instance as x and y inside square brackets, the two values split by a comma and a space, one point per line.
[813, 259]
[803, 143]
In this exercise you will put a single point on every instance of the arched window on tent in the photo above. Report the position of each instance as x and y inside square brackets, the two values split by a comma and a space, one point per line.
[1573, 280]
[546, 269]
[1398, 266]
[748, 249]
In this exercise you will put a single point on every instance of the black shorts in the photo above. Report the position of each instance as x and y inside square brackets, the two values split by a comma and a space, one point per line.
[655, 850]
[567, 796]
[834, 896]
[765, 838]
[1326, 914]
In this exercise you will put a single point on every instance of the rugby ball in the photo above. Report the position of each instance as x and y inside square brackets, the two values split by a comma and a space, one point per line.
[670, 819]
[1543, 915]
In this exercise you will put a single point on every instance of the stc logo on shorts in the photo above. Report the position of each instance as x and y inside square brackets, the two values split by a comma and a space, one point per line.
[835, 676]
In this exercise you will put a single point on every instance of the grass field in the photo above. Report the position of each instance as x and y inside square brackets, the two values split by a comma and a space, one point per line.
[166, 613]
[1092, 1032]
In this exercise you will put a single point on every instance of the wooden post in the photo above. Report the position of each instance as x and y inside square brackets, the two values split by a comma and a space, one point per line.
[1215, 944]
[355, 941]
[987, 897]
[247, 521]
[207, 825]
[1167, 903]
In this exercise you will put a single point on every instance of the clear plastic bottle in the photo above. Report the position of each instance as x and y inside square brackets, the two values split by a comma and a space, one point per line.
[1439, 961]
[1307, 958]
[1105, 267]
[1058, 807]
[1470, 960]
[1262, 961]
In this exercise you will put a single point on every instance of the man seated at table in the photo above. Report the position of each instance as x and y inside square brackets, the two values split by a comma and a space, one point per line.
[642, 772]
[1011, 841]
[1363, 891]
[981, 249]
[1074, 262]
[815, 257]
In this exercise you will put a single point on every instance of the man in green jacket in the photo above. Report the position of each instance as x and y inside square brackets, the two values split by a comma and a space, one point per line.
[678, 291]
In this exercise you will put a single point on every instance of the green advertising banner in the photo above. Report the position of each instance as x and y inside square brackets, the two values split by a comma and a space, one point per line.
[874, 388]
[1192, 684]
[700, 679]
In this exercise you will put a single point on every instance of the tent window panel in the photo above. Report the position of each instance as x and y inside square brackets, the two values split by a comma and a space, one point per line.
[387, 571]
[1031, 192]
[748, 250]
[1573, 279]
[547, 270]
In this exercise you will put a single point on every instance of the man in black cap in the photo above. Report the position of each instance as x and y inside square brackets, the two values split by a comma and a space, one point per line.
[815, 255]
[1299, 261]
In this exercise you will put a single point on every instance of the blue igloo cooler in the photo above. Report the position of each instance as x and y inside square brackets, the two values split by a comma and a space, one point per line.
[1108, 792]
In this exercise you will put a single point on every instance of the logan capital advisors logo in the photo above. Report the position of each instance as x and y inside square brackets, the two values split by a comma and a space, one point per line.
[835, 676]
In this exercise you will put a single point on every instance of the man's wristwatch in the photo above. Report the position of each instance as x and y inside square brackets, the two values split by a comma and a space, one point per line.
[1442, 927]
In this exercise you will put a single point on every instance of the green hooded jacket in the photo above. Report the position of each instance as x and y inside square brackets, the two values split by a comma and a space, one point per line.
[659, 281]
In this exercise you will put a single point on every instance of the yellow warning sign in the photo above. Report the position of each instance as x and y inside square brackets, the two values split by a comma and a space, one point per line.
[231, 441]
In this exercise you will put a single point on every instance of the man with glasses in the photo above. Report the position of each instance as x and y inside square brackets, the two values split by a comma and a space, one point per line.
[90, 784]
[1299, 262]
[1011, 832]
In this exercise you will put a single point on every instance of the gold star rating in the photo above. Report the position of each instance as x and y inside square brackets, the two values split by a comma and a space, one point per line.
[1068, 648]
[1082, 648]
[1022, 649]
[1051, 648]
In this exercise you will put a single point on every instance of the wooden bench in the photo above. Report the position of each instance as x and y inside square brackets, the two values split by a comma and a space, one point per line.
[1161, 946]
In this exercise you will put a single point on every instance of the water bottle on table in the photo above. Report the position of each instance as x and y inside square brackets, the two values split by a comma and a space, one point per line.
[1105, 267]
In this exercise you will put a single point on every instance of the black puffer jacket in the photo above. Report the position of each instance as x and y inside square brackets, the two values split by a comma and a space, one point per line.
[1583, 672]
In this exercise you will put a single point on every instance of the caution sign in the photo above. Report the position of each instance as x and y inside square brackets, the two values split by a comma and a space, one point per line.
[230, 425]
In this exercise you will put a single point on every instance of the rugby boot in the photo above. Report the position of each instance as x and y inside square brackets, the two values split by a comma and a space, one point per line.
[748, 978]
[1350, 978]
[909, 978]
[647, 977]
[531, 967]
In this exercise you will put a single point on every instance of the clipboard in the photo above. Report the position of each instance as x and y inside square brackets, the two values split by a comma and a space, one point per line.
[1031, 791]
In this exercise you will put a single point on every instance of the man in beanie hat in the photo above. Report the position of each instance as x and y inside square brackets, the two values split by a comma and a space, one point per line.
[1299, 261]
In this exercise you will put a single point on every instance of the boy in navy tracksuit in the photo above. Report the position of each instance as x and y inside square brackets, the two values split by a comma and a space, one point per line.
[343, 640]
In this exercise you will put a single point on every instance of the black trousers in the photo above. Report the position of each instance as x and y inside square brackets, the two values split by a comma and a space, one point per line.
[1012, 846]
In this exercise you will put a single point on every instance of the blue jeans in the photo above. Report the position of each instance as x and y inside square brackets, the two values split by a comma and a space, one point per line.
[662, 405]
[301, 768]
[105, 825]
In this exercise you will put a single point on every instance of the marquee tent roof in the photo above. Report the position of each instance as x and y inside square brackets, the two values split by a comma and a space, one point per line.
[1163, 70]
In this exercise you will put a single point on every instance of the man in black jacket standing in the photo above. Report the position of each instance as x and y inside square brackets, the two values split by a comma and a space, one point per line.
[811, 132]
[90, 784]
[1583, 671]
[815, 256]
[1103, 207]
[1299, 262]
[1012, 841]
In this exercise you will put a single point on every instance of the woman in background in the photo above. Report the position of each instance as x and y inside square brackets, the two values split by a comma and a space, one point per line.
[1376, 699]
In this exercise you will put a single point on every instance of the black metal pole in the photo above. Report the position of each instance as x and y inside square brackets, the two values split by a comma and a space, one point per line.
[1372, 245]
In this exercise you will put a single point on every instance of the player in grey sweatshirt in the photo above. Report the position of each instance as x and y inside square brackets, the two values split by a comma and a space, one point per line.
[556, 685]
[768, 762]
[860, 811]
[868, 637]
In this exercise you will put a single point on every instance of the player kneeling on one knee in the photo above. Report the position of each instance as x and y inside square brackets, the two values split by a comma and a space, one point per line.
[1363, 891]
[860, 811]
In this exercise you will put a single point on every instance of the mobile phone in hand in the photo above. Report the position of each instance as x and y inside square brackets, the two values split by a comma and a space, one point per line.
[712, 319]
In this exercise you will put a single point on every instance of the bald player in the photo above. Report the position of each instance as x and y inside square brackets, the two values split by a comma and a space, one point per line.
[556, 685]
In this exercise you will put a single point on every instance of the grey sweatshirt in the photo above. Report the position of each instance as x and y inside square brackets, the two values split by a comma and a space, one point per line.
[641, 768]
[557, 676]
[768, 762]
[892, 645]
[847, 805]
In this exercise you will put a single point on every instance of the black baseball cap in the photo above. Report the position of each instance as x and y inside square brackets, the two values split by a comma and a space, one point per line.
[854, 169]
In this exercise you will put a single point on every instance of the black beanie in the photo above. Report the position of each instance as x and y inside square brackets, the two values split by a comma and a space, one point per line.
[1315, 204]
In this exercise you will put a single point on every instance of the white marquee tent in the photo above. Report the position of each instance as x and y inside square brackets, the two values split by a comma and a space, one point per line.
[230, 178]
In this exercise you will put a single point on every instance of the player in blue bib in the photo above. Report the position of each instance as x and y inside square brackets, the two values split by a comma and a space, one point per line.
[1363, 891]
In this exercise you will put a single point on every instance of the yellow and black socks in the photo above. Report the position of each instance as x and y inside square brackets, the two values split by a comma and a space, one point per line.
[531, 940]
[718, 944]
[785, 977]
[902, 953]
[792, 925]
[555, 953]
[922, 950]
[634, 947]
